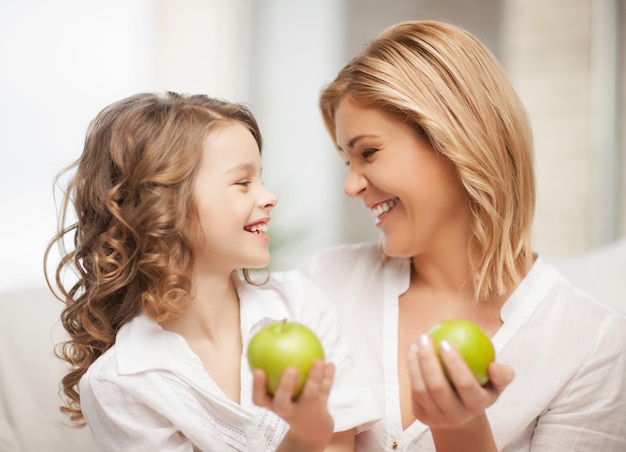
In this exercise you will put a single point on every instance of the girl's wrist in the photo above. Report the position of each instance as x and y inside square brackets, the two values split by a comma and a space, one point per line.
[295, 443]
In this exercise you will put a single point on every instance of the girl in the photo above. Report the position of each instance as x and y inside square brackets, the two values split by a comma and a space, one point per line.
[170, 204]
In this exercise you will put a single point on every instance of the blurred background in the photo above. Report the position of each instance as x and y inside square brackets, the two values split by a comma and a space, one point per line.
[62, 61]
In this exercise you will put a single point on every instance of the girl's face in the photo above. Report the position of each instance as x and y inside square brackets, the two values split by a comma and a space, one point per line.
[414, 194]
[233, 204]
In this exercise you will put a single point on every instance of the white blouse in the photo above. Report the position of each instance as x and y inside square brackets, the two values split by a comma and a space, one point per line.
[151, 392]
[568, 352]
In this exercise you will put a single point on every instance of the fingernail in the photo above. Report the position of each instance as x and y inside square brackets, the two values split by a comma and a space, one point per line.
[413, 349]
[444, 346]
[424, 340]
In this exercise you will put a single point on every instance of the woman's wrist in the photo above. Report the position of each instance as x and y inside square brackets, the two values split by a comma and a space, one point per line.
[474, 435]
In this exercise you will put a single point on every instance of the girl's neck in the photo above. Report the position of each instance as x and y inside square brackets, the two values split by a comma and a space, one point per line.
[213, 313]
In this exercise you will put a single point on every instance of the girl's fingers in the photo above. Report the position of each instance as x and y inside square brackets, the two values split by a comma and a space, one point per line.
[327, 379]
[313, 380]
[319, 381]
[260, 396]
[283, 398]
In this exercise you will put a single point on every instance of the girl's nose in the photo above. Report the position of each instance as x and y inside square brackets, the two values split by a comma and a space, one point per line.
[269, 199]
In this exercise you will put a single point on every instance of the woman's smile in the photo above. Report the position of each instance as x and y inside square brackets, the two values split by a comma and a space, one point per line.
[381, 209]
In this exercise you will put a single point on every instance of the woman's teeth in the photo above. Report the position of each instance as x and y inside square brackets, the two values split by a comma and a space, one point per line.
[383, 207]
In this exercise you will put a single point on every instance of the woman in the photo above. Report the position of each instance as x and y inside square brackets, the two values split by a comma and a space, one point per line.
[440, 150]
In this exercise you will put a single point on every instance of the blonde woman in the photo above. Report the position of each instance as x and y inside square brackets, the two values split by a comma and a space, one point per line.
[439, 149]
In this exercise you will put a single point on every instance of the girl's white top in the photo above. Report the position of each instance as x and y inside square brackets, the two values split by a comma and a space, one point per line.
[151, 392]
[568, 352]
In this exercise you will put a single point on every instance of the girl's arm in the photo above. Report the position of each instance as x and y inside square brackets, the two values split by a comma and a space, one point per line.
[454, 412]
[310, 423]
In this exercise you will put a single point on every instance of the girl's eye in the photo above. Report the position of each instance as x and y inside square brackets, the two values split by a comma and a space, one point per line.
[243, 183]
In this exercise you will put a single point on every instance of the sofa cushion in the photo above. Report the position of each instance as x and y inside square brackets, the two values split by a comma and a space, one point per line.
[30, 420]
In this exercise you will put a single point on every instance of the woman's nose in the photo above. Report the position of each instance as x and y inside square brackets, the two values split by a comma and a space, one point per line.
[355, 183]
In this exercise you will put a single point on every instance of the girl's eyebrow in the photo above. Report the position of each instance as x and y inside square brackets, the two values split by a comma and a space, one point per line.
[241, 166]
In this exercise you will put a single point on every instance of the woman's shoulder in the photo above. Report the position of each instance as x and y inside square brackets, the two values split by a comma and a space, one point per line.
[279, 294]
[370, 250]
[342, 259]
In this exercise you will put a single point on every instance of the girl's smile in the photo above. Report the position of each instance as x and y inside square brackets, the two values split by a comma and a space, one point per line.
[259, 228]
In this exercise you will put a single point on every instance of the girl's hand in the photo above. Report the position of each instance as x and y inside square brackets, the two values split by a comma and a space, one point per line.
[310, 423]
[439, 404]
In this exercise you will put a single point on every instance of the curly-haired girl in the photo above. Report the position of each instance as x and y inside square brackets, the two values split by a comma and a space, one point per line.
[170, 207]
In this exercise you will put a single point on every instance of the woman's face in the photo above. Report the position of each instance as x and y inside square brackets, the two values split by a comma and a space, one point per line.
[414, 194]
[233, 204]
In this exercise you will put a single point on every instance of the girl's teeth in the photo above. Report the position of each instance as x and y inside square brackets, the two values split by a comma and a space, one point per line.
[262, 227]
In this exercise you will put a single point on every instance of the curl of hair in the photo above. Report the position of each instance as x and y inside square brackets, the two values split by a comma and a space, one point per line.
[450, 88]
[132, 193]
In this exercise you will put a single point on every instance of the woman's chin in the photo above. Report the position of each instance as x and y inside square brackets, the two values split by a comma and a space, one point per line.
[392, 249]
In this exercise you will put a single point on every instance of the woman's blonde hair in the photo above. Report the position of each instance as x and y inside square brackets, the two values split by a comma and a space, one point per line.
[449, 86]
[132, 193]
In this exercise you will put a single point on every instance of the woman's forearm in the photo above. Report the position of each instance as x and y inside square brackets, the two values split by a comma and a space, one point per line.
[473, 436]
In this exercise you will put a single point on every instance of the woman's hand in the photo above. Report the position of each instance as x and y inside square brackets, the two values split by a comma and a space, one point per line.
[310, 423]
[439, 404]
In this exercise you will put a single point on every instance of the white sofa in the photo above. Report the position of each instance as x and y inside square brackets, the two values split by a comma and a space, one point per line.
[601, 273]
[30, 420]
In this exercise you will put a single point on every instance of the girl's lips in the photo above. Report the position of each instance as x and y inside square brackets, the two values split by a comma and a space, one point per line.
[379, 210]
[258, 228]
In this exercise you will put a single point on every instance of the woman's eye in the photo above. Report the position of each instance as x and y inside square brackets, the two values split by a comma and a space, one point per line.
[367, 153]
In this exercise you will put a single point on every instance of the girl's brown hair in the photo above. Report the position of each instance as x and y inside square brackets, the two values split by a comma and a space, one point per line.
[449, 87]
[133, 199]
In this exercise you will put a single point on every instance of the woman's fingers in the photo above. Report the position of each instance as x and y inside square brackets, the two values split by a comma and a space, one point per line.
[500, 376]
[424, 370]
[473, 396]
[438, 401]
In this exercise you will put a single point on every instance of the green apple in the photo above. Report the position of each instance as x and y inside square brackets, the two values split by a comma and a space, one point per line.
[471, 342]
[282, 345]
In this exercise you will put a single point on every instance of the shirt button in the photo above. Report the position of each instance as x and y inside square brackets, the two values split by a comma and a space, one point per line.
[394, 445]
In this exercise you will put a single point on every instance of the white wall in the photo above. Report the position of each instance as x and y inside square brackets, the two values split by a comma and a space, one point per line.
[63, 61]
[296, 49]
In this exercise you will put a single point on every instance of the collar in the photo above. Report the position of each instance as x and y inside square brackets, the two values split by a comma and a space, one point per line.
[142, 344]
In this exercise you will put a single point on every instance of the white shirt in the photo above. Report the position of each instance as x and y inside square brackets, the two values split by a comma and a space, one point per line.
[151, 392]
[568, 352]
